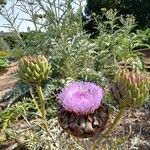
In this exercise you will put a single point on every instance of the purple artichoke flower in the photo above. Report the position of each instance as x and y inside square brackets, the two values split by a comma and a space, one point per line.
[81, 112]
[81, 97]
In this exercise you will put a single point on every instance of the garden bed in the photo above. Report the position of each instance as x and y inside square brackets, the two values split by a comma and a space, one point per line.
[133, 131]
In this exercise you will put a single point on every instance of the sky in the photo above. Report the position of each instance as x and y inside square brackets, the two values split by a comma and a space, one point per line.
[24, 24]
[21, 17]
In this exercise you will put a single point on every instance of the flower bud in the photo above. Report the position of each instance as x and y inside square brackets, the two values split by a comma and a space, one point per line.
[33, 69]
[130, 89]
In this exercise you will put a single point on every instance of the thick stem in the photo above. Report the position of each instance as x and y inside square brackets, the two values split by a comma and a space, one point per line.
[35, 102]
[112, 126]
[42, 106]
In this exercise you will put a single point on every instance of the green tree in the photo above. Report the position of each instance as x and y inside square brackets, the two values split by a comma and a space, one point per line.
[138, 8]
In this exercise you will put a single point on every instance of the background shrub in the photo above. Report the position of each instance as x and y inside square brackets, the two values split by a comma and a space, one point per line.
[11, 40]
[139, 9]
[3, 44]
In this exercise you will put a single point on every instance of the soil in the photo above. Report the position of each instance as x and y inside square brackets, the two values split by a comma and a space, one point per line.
[136, 127]
[7, 78]
[7, 81]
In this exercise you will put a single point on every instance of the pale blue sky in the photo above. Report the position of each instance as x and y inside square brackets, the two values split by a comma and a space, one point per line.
[24, 24]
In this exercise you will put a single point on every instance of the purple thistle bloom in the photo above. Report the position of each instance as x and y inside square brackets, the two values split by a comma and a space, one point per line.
[81, 97]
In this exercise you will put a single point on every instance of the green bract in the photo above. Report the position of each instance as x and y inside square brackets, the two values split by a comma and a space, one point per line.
[33, 69]
[130, 89]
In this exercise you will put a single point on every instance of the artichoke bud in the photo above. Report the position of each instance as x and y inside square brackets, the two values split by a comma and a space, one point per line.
[130, 89]
[33, 69]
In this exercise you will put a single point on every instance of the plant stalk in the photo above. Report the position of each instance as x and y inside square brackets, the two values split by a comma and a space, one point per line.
[35, 102]
[112, 126]
[42, 106]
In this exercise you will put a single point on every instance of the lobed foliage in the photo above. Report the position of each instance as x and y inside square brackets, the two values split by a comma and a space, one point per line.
[73, 55]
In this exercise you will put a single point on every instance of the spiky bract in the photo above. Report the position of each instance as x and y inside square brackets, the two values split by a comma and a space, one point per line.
[33, 69]
[130, 89]
[83, 126]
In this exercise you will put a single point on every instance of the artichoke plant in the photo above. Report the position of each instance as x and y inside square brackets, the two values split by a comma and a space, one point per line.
[130, 89]
[33, 69]
[81, 111]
